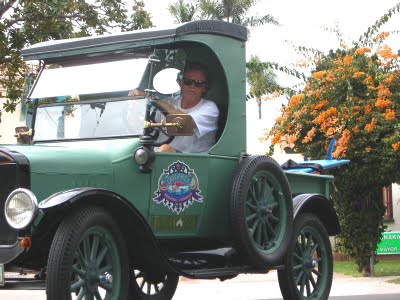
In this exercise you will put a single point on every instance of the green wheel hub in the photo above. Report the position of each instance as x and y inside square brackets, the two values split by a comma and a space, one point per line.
[310, 263]
[265, 211]
[96, 266]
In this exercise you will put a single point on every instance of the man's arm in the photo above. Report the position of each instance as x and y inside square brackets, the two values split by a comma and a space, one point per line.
[166, 107]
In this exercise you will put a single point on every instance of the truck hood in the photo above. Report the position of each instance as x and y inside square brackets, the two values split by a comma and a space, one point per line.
[80, 157]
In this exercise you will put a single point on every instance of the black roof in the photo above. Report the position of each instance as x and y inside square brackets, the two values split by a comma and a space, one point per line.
[51, 48]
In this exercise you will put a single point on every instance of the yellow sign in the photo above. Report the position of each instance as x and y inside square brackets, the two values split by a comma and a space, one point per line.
[174, 223]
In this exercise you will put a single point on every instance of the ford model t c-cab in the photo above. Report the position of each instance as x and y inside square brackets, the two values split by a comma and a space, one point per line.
[90, 205]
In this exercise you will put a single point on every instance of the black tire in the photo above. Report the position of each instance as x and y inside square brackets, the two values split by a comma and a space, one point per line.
[261, 211]
[308, 269]
[88, 257]
[153, 286]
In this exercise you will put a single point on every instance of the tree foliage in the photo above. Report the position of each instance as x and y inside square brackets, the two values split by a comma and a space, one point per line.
[235, 11]
[353, 95]
[183, 11]
[261, 80]
[26, 22]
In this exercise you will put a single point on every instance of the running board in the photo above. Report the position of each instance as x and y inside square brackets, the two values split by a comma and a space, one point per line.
[221, 273]
[16, 283]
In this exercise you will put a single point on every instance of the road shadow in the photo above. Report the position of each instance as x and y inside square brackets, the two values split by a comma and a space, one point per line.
[360, 297]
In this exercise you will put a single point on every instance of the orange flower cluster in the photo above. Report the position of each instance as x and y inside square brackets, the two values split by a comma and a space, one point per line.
[382, 103]
[347, 60]
[370, 126]
[319, 74]
[383, 35]
[362, 51]
[396, 146]
[342, 144]
[325, 115]
[389, 115]
[385, 52]
[321, 104]
[295, 100]
[358, 74]
[310, 135]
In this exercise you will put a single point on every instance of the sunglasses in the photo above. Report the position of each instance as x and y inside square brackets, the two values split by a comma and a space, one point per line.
[197, 83]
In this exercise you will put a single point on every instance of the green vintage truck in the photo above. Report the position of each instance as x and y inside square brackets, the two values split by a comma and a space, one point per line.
[90, 206]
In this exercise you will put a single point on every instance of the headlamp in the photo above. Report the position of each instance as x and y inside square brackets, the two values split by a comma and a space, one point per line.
[20, 208]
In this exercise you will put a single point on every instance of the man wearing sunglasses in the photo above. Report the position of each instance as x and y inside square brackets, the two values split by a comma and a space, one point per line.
[194, 84]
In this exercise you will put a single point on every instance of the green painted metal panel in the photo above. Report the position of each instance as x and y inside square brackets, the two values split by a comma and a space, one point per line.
[215, 222]
[169, 204]
[106, 164]
[305, 183]
[208, 218]
[389, 244]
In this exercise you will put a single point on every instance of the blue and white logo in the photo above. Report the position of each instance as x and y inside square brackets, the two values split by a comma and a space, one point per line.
[178, 187]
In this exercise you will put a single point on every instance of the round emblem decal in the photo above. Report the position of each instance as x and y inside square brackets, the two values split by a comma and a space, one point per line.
[178, 187]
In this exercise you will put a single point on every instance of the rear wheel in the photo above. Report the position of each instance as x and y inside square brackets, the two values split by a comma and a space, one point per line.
[88, 258]
[308, 264]
[157, 286]
[261, 211]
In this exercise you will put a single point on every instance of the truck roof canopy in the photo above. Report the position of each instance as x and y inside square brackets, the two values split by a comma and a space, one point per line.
[132, 39]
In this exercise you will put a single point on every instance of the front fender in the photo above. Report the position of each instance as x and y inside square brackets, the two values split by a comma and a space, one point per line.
[320, 207]
[143, 246]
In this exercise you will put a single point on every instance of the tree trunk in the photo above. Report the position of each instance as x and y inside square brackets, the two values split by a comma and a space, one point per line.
[259, 107]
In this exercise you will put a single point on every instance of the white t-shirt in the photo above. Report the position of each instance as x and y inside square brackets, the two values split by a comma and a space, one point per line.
[205, 115]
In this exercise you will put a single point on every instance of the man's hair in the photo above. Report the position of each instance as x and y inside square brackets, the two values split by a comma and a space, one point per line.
[197, 66]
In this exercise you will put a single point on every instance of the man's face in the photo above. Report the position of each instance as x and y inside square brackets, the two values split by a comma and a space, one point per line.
[193, 88]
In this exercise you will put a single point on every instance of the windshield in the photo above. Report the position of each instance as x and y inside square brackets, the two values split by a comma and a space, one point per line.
[90, 120]
[89, 100]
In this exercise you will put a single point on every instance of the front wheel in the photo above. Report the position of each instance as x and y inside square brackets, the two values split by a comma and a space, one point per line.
[308, 264]
[88, 258]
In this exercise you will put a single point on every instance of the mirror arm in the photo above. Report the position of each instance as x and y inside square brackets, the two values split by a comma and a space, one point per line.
[162, 124]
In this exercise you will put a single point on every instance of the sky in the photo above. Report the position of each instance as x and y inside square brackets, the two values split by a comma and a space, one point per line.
[302, 24]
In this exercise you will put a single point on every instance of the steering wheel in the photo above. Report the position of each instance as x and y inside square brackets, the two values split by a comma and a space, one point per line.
[155, 132]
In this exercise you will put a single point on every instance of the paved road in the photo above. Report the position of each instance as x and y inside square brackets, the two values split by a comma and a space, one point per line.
[257, 287]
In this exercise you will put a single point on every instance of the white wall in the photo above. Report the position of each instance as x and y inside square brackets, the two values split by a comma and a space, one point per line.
[395, 226]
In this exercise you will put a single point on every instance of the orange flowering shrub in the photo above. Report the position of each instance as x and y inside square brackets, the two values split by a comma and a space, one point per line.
[353, 96]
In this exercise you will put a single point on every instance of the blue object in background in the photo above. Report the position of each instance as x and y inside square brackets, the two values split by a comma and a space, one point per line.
[330, 149]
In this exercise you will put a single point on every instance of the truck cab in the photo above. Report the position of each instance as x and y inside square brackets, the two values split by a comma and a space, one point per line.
[92, 206]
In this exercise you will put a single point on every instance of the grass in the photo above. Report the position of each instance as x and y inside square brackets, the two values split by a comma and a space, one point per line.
[397, 281]
[382, 268]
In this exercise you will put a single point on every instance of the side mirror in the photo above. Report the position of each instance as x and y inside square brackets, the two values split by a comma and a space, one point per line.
[23, 135]
[184, 125]
[165, 81]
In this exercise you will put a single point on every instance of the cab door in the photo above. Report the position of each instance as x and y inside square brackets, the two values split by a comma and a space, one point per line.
[178, 195]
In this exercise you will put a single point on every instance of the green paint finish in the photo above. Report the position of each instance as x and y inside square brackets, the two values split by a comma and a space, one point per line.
[390, 243]
[180, 223]
[106, 164]
[305, 183]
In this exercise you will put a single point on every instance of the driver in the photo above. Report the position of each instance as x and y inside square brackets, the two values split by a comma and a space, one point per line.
[194, 84]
